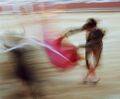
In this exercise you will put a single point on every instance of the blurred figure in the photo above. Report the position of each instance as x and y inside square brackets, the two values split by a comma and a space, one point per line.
[93, 47]
[22, 52]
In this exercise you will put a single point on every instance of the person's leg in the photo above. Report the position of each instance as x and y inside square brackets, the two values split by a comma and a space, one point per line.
[88, 54]
[92, 55]
[97, 56]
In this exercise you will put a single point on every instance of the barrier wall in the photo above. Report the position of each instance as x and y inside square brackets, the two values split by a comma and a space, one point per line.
[37, 7]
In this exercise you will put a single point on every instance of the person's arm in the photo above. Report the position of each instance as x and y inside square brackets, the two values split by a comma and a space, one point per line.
[72, 32]
[89, 43]
[77, 30]
[93, 42]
